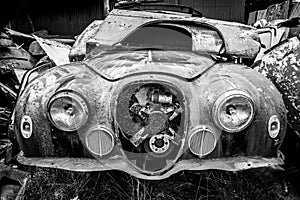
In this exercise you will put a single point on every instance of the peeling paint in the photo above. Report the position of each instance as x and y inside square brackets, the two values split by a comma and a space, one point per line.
[89, 165]
[121, 23]
[117, 64]
[58, 52]
[281, 66]
[152, 101]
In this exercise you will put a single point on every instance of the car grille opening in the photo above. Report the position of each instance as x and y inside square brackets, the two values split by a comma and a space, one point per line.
[150, 120]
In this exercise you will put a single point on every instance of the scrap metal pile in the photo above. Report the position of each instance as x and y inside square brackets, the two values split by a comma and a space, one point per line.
[19, 53]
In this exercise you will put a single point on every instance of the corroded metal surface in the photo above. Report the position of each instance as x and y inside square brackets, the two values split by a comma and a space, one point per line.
[198, 91]
[78, 51]
[123, 63]
[281, 65]
[270, 37]
[89, 165]
[17, 57]
[121, 23]
[148, 98]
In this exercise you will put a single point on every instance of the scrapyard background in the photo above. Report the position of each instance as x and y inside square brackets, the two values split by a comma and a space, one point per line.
[26, 52]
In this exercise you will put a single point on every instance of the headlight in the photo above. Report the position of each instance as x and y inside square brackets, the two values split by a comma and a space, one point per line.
[233, 111]
[67, 111]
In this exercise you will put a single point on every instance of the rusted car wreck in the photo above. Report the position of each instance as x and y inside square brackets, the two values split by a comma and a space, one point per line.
[157, 92]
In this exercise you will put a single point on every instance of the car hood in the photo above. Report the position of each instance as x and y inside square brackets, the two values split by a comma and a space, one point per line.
[239, 40]
[114, 65]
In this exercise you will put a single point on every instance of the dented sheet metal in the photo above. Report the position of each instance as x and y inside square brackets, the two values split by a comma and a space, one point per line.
[89, 165]
[18, 34]
[119, 24]
[5, 41]
[17, 58]
[269, 37]
[56, 51]
[123, 63]
[128, 94]
[151, 111]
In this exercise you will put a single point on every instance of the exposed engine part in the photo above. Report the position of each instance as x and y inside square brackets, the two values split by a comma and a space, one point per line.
[149, 119]
[139, 110]
[177, 111]
[161, 98]
[174, 137]
[153, 108]
[139, 137]
[159, 143]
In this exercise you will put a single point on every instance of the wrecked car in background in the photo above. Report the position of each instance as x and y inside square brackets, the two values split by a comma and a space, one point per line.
[19, 54]
[281, 63]
[157, 92]
[14, 61]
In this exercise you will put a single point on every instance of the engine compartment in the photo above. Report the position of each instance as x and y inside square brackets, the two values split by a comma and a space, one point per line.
[149, 118]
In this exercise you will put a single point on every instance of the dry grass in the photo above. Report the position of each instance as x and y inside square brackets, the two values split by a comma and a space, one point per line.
[246, 185]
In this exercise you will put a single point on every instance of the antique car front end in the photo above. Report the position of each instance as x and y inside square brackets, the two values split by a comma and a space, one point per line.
[152, 112]
[162, 118]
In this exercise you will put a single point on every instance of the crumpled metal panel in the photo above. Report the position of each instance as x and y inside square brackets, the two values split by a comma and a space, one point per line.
[5, 41]
[117, 163]
[56, 51]
[281, 65]
[269, 37]
[78, 50]
[101, 94]
[238, 38]
[17, 58]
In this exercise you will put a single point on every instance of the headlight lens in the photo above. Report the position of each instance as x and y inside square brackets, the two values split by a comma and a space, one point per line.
[67, 111]
[233, 111]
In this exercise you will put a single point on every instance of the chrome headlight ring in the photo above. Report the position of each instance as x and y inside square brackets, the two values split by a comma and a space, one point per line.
[233, 111]
[68, 111]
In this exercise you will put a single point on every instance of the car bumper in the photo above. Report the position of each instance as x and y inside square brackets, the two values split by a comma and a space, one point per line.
[118, 163]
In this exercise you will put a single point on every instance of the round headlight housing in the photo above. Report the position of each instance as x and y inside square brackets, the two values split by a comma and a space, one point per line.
[67, 111]
[233, 111]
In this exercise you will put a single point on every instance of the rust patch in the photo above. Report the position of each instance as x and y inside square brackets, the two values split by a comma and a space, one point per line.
[282, 66]
[121, 23]
[117, 163]
[78, 51]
